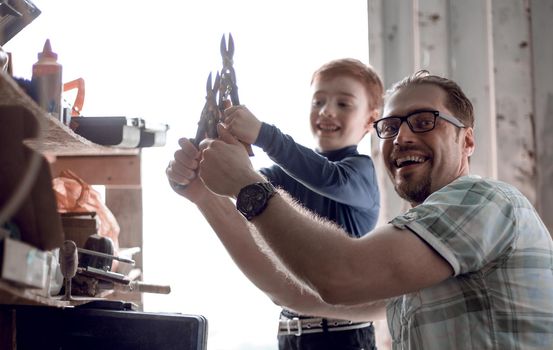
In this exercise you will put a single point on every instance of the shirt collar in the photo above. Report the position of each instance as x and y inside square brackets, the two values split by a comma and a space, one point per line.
[341, 153]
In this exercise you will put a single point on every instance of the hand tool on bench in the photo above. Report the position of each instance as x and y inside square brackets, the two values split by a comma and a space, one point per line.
[68, 265]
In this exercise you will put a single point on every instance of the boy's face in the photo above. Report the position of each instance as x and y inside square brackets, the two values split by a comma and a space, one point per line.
[340, 114]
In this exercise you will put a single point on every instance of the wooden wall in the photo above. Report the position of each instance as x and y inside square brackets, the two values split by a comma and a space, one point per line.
[501, 53]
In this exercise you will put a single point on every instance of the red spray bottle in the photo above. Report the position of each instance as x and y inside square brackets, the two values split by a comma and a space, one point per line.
[47, 81]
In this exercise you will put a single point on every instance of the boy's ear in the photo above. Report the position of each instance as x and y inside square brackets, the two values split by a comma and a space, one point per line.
[373, 116]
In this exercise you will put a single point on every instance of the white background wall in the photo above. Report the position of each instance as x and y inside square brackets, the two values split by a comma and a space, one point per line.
[150, 59]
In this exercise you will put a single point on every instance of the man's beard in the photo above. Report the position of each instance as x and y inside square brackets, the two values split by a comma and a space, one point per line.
[415, 192]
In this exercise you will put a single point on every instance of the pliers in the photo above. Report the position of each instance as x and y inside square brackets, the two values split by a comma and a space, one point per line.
[211, 116]
[228, 86]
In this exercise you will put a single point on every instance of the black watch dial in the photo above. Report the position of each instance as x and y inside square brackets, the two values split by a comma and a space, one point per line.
[252, 199]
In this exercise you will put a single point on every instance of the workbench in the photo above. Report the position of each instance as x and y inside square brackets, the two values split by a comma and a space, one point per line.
[118, 169]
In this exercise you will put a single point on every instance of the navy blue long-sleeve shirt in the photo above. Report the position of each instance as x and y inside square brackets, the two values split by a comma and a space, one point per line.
[340, 185]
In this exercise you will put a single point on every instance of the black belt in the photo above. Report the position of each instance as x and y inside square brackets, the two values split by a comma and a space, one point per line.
[298, 326]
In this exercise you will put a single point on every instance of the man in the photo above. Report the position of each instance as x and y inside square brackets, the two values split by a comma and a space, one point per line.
[470, 266]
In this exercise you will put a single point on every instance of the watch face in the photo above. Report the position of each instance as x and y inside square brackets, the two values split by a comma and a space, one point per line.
[252, 199]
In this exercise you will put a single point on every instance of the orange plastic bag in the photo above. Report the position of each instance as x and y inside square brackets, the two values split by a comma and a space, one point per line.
[75, 195]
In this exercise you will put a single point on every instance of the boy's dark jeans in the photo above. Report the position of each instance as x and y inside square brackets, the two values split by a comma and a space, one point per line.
[354, 339]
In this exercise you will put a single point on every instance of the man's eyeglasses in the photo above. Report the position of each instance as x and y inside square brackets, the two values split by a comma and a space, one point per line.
[418, 122]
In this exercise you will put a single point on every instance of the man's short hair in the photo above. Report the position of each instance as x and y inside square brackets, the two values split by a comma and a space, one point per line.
[358, 70]
[457, 102]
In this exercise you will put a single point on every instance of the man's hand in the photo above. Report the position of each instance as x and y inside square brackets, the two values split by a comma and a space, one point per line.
[182, 172]
[225, 166]
[242, 124]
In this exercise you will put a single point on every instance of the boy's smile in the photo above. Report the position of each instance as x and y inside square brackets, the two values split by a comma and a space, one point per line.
[326, 127]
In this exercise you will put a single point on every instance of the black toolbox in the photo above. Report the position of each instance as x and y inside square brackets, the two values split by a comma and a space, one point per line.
[83, 328]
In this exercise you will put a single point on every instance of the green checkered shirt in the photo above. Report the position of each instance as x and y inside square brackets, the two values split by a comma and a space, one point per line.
[501, 294]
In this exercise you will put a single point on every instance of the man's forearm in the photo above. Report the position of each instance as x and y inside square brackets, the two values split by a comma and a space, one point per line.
[236, 235]
[263, 269]
[319, 253]
[385, 263]
[287, 227]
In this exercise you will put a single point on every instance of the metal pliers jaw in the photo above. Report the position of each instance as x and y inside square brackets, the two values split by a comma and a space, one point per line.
[228, 76]
[211, 116]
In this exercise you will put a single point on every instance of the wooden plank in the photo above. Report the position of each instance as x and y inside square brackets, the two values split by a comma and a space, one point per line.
[400, 39]
[434, 37]
[57, 139]
[102, 170]
[376, 59]
[392, 48]
[28, 199]
[471, 58]
[542, 60]
[14, 295]
[126, 206]
[60, 140]
[376, 36]
[513, 95]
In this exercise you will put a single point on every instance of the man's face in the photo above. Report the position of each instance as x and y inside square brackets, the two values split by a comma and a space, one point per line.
[421, 163]
[340, 114]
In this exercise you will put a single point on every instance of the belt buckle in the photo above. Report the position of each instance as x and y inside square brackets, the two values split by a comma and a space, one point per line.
[297, 320]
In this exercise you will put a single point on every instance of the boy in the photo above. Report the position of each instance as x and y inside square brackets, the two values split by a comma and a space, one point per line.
[335, 181]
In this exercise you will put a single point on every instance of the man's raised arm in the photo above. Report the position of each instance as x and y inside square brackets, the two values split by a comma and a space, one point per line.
[249, 252]
[341, 270]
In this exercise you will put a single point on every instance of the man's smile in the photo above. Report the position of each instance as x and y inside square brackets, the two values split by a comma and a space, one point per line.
[404, 162]
[409, 160]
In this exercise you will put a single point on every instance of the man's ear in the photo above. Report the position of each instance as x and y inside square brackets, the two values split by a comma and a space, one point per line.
[469, 142]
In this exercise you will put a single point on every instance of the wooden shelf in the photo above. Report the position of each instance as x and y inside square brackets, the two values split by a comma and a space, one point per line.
[116, 168]
[62, 141]
[10, 294]
[59, 140]
[96, 164]
[13, 295]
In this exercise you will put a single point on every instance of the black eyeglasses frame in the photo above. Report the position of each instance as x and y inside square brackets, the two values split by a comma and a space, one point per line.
[437, 114]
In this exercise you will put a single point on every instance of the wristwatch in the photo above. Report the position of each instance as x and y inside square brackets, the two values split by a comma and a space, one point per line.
[253, 199]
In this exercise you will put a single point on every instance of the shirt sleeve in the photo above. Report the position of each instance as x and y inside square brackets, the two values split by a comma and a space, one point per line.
[469, 223]
[350, 181]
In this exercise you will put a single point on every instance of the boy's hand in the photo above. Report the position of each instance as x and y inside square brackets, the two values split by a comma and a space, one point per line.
[242, 124]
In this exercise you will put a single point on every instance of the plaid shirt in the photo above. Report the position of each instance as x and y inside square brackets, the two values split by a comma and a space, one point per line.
[501, 294]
